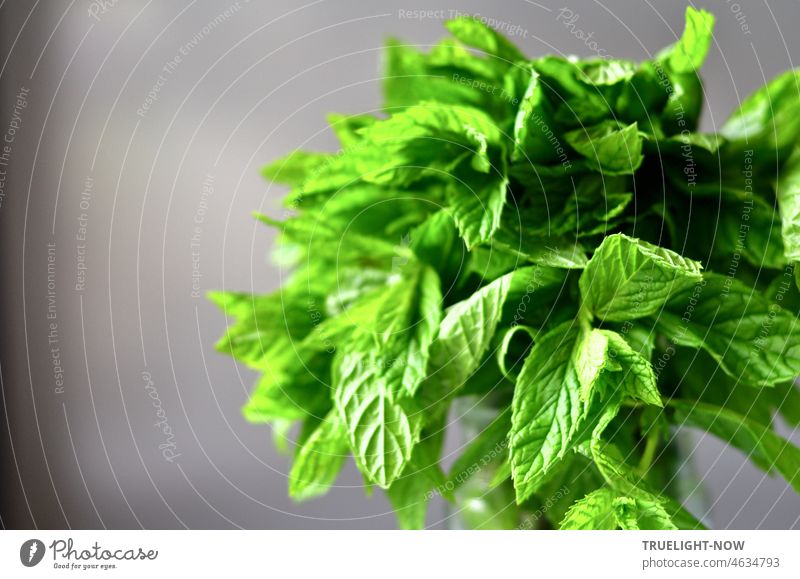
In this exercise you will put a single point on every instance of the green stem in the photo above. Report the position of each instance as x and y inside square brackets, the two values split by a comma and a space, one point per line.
[650, 447]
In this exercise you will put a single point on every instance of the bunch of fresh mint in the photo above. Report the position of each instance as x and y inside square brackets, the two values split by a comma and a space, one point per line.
[553, 239]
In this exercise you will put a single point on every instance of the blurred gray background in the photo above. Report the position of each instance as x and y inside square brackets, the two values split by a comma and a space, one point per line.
[133, 168]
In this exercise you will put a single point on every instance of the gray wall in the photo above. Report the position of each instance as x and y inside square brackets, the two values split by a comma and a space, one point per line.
[87, 159]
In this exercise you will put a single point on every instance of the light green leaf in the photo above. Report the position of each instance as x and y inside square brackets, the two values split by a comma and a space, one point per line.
[347, 127]
[607, 72]
[434, 121]
[591, 360]
[635, 376]
[528, 333]
[689, 53]
[382, 426]
[266, 329]
[635, 505]
[644, 512]
[319, 460]
[281, 428]
[788, 191]
[398, 323]
[295, 168]
[466, 333]
[595, 511]
[546, 410]
[476, 204]
[628, 278]
[608, 366]
[472, 32]
[289, 395]
[411, 77]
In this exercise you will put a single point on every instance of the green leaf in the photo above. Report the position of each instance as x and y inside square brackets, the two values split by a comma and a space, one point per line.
[611, 148]
[382, 426]
[749, 226]
[266, 328]
[433, 257]
[289, 395]
[572, 478]
[348, 128]
[644, 94]
[607, 72]
[689, 53]
[574, 102]
[281, 428]
[546, 409]
[384, 363]
[436, 242]
[642, 512]
[397, 325]
[532, 132]
[788, 191]
[545, 250]
[466, 333]
[477, 205]
[768, 118]
[295, 168]
[604, 509]
[472, 32]
[409, 78]
[629, 278]
[423, 141]
[463, 125]
[313, 234]
[759, 443]
[591, 361]
[636, 377]
[510, 346]
[319, 460]
[297, 385]
[595, 511]
[420, 482]
[751, 338]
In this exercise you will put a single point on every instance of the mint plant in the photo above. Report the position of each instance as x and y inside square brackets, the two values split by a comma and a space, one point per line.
[555, 240]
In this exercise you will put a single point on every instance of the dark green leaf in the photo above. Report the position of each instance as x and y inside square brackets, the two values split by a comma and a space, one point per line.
[752, 339]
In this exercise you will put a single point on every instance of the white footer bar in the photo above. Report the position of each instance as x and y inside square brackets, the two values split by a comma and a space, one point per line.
[406, 555]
